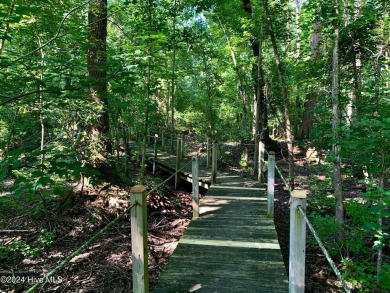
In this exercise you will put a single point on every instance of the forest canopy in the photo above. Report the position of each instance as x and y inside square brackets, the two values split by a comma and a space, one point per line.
[80, 80]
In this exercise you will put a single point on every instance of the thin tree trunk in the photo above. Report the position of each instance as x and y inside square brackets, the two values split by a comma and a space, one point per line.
[239, 82]
[210, 119]
[297, 56]
[100, 144]
[352, 107]
[287, 118]
[173, 79]
[337, 183]
[259, 85]
[148, 94]
[126, 148]
[41, 103]
[309, 105]
[259, 125]
[381, 186]
[6, 29]
[149, 70]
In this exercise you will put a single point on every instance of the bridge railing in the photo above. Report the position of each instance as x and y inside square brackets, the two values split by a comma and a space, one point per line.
[298, 222]
[139, 242]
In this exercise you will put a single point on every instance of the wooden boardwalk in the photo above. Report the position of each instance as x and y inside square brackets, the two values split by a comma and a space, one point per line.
[232, 247]
[167, 163]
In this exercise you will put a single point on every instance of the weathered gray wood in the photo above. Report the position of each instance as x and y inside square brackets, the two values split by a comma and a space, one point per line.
[260, 177]
[214, 164]
[208, 157]
[271, 184]
[195, 186]
[178, 152]
[232, 247]
[139, 240]
[297, 243]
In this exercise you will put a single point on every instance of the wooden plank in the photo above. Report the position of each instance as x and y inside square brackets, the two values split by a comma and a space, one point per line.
[232, 247]
[139, 241]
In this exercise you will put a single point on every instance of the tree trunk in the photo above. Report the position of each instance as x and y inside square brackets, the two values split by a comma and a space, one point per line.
[100, 146]
[307, 119]
[309, 105]
[381, 186]
[260, 106]
[239, 82]
[352, 106]
[41, 103]
[149, 71]
[258, 76]
[173, 79]
[287, 119]
[337, 183]
[210, 118]
[6, 29]
[297, 56]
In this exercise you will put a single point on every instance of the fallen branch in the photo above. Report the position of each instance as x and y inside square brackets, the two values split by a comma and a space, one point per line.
[14, 231]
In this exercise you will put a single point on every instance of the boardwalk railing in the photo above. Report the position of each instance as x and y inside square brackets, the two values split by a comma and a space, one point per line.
[298, 217]
[298, 221]
[211, 156]
[139, 244]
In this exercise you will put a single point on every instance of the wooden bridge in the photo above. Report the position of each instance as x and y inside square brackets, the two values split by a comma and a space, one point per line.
[232, 246]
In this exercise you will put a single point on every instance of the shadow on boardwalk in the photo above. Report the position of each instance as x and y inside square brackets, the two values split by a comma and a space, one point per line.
[232, 247]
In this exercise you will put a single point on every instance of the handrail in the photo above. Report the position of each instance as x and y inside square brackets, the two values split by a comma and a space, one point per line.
[320, 243]
[322, 246]
[281, 175]
[67, 260]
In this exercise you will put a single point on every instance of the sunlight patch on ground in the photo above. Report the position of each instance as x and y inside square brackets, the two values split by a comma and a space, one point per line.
[230, 243]
[240, 198]
[80, 257]
[236, 187]
[207, 209]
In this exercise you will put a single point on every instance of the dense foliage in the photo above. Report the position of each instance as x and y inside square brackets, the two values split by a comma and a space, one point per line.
[225, 70]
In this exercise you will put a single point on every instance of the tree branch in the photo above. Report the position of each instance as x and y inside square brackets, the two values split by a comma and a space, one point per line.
[57, 33]
[12, 99]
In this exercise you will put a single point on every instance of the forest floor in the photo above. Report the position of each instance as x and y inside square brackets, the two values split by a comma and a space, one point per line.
[105, 266]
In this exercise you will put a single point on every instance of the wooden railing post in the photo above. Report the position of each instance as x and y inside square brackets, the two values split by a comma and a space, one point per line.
[271, 184]
[208, 154]
[155, 154]
[195, 186]
[178, 151]
[297, 243]
[139, 244]
[214, 164]
[260, 177]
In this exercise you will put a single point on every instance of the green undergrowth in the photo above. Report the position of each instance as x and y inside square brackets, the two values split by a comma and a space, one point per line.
[362, 235]
[27, 248]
